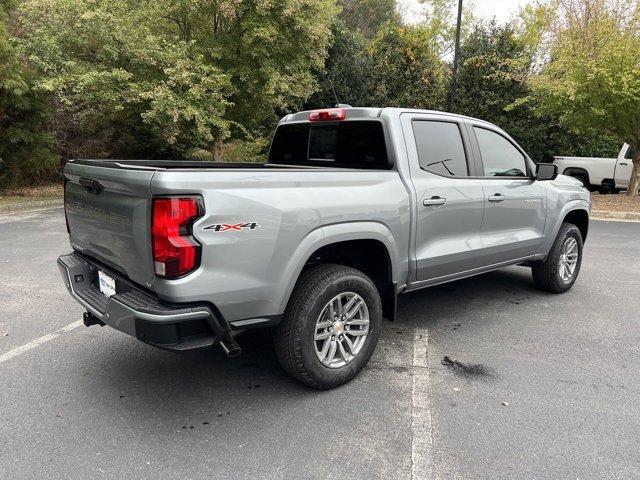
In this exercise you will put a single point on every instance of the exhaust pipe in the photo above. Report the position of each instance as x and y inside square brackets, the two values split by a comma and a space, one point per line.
[226, 342]
[229, 345]
[90, 319]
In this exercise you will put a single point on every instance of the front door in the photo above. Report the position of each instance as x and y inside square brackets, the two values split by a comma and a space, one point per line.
[624, 167]
[449, 202]
[515, 208]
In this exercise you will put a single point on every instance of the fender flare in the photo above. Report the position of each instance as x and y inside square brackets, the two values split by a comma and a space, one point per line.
[336, 233]
[570, 206]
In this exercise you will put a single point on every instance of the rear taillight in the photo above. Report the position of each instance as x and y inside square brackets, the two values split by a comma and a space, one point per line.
[175, 251]
[328, 115]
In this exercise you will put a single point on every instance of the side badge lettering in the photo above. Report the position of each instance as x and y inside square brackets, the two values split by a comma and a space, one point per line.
[238, 227]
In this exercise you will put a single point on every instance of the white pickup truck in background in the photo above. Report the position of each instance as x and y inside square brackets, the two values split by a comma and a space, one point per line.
[609, 175]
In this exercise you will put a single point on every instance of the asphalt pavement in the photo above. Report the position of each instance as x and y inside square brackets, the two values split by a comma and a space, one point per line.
[516, 383]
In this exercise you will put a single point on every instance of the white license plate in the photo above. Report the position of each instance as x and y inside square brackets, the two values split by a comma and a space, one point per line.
[107, 284]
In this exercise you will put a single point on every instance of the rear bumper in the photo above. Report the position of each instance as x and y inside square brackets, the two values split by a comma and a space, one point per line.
[139, 314]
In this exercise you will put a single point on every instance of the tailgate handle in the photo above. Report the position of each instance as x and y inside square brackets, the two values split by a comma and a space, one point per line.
[91, 186]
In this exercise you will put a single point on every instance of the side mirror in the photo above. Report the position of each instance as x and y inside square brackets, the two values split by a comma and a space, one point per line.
[546, 171]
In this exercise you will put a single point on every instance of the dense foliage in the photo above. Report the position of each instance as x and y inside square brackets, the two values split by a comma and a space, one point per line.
[592, 80]
[183, 74]
[26, 149]
[494, 78]
[208, 79]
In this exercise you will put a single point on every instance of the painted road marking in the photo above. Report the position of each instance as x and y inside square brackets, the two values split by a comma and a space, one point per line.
[422, 439]
[38, 341]
[7, 213]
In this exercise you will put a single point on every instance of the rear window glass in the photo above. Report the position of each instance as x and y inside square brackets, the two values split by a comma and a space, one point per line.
[355, 144]
[440, 148]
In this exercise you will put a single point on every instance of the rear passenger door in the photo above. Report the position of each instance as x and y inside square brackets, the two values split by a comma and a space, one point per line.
[515, 203]
[449, 202]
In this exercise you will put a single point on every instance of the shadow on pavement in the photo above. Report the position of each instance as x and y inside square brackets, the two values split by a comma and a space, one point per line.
[152, 380]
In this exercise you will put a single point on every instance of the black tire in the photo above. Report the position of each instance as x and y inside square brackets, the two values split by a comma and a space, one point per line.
[294, 338]
[546, 274]
[609, 187]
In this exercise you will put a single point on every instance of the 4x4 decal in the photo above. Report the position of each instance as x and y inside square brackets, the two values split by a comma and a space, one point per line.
[238, 227]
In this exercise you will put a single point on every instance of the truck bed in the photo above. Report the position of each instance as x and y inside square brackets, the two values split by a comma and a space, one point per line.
[109, 209]
[173, 164]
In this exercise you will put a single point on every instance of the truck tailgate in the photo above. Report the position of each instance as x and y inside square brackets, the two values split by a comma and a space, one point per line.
[109, 216]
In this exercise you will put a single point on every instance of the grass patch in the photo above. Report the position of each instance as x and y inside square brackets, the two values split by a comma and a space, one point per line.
[615, 203]
[23, 195]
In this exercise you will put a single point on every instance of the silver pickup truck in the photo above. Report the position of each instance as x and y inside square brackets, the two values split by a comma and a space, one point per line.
[353, 207]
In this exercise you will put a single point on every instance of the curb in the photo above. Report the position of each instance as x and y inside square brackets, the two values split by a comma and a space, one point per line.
[605, 215]
[30, 205]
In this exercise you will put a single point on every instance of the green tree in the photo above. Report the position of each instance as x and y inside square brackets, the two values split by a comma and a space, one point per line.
[385, 62]
[407, 70]
[592, 79]
[493, 84]
[493, 75]
[348, 71]
[176, 74]
[368, 16]
[26, 152]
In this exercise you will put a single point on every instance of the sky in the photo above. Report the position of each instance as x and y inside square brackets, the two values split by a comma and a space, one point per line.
[501, 9]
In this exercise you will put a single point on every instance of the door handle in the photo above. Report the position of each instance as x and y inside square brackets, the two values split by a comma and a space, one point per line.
[434, 201]
[624, 164]
[91, 186]
[497, 198]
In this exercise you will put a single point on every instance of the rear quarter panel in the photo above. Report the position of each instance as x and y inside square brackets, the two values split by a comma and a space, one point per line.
[250, 273]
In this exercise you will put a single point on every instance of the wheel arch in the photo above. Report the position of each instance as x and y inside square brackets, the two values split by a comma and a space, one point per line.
[366, 246]
[573, 211]
[571, 171]
[579, 218]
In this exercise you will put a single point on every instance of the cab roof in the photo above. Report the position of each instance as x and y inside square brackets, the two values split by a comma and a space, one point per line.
[362, 113]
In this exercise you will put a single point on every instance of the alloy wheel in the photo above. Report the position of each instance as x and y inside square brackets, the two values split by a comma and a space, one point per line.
[568, 259]
[341, 329]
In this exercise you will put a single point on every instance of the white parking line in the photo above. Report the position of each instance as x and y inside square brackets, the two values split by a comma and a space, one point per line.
[8, 213]
[422, 441]
[38, 341]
